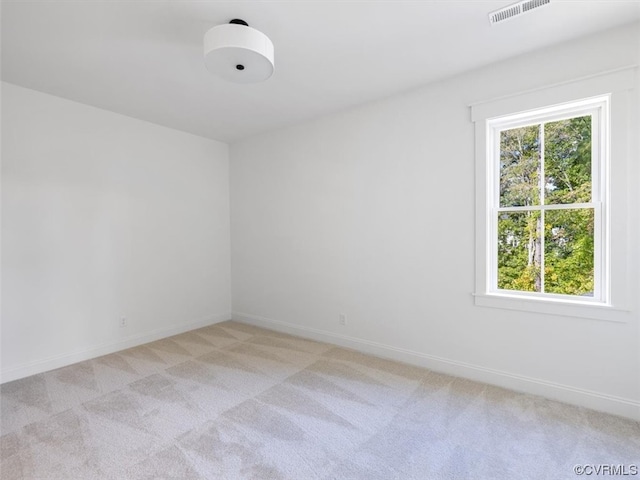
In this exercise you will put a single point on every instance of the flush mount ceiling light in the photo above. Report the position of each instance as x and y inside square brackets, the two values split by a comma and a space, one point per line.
[238, 53]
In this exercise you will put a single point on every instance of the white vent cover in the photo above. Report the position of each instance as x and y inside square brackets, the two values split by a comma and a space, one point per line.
[515, 9]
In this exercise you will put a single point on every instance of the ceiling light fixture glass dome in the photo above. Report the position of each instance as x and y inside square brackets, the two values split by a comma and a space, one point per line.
[239, 53]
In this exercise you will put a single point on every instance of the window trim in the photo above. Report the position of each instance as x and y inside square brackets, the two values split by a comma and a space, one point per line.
[616, 86]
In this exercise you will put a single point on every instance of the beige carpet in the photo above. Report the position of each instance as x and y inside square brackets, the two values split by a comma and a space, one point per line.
[232, 401]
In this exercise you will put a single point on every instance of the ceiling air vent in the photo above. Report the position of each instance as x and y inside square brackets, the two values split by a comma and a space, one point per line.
[515, 10]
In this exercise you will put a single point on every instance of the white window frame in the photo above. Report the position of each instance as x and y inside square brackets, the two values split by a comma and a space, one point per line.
[598, 109]
[611, 93]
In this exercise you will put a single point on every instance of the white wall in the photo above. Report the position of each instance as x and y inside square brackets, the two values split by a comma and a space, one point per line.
[371, 212]
[103, 217]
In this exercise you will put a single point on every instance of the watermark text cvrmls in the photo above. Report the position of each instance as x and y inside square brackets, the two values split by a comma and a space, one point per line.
[603, 469]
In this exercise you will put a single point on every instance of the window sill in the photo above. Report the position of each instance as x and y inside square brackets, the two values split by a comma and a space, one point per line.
[596, 311]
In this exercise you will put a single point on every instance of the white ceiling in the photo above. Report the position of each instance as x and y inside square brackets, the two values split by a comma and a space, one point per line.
[144, 58]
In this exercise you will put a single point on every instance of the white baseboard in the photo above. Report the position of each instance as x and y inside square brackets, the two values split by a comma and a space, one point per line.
[57, 361]
[564, 393]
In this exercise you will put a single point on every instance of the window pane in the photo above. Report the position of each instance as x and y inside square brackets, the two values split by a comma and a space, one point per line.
[568, 251]
[567, 161]
[520, 166]
[519, 251]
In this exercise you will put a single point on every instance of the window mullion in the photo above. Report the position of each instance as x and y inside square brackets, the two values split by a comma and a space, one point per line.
[542, 202]
[558, 206]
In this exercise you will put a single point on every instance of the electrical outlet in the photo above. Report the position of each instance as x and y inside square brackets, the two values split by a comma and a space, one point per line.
[123, 322]
[342, 319]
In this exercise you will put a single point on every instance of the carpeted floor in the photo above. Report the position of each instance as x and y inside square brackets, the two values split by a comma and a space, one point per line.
[233, 401]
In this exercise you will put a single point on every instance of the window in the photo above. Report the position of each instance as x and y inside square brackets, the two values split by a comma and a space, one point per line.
[554, 191]
[548, 224]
